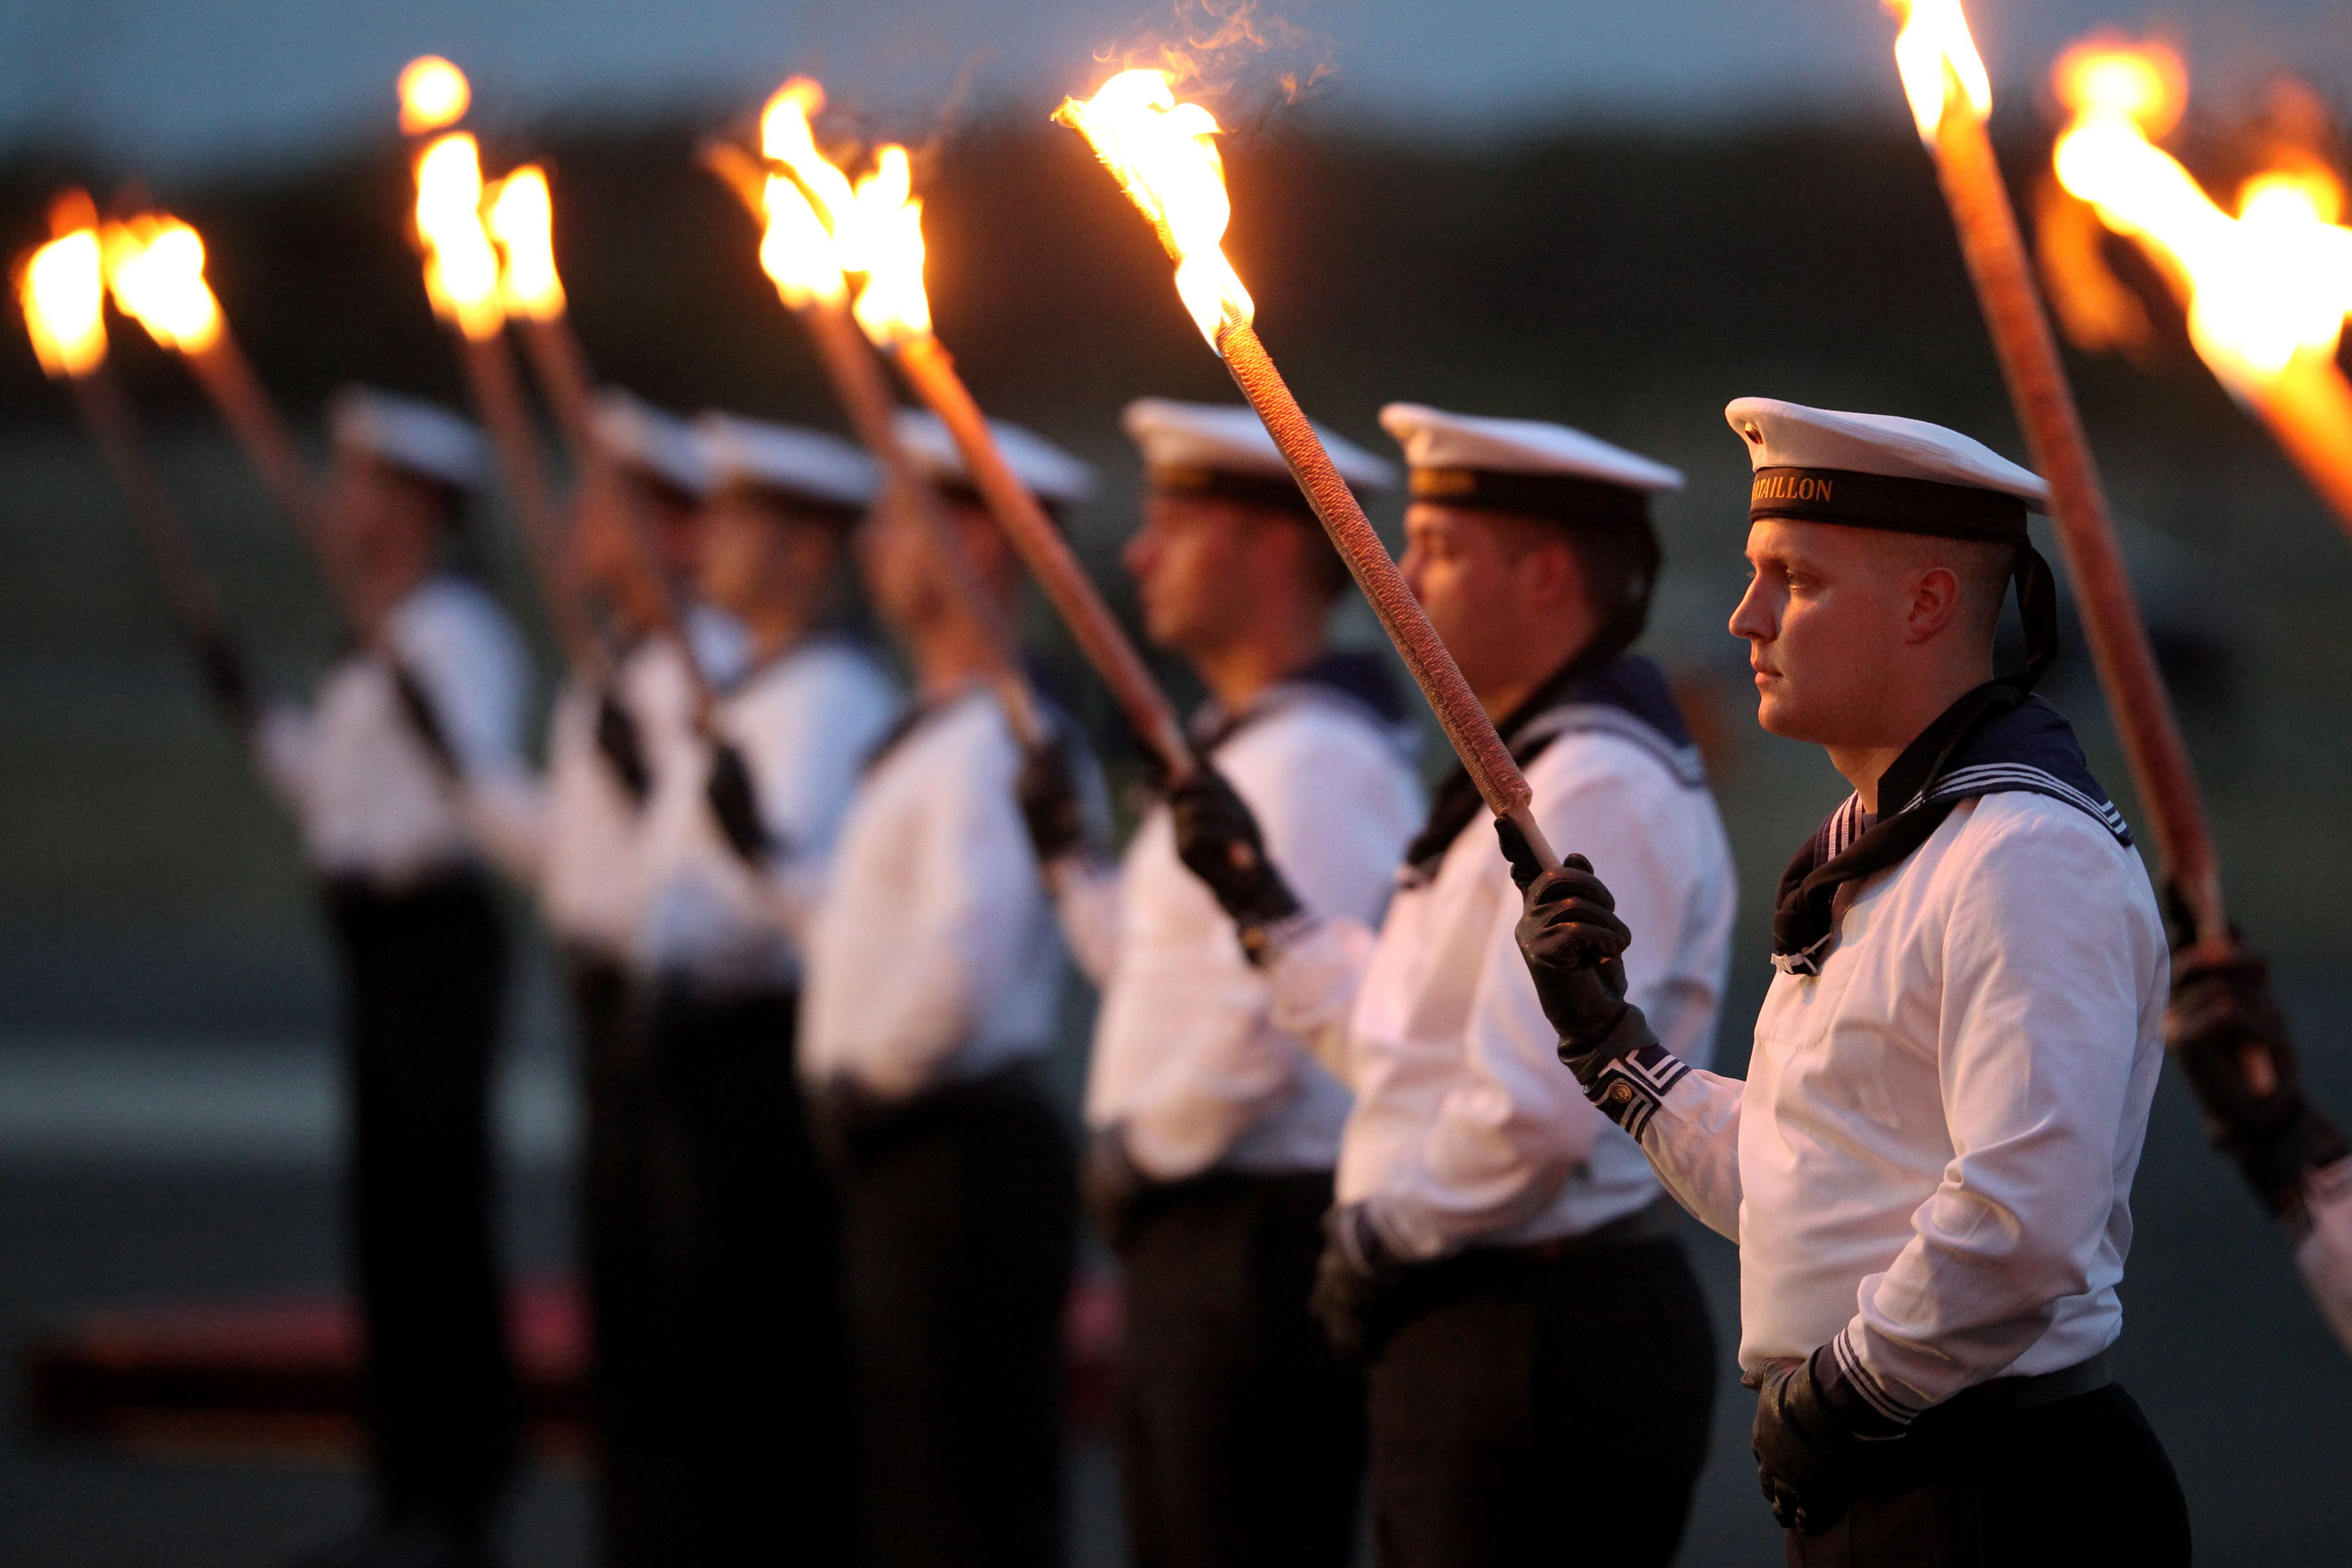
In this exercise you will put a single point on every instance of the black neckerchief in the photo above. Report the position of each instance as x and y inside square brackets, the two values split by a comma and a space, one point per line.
[1998, 738]
[1357, 679]
[1628, 697]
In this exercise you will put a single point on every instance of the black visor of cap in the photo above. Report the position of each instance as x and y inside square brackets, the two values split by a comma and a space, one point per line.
[1928, 507]
[1571, 497]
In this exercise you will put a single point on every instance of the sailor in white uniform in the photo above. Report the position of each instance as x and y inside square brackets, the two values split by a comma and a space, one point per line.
[1214, 1133]
[1928, 1169]
[1490, 1224]
[933, 986]
[737, 838]
[410, 745]
[607, 751]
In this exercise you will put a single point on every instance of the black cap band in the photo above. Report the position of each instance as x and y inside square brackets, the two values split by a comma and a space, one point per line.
[1889, 504]
[1570, 497]
[1279, 494]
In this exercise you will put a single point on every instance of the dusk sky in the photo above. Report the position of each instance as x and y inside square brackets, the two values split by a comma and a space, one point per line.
[171, 83]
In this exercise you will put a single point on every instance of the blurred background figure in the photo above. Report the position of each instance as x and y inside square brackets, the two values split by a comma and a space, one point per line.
[382, 773]
[934, 981]
[1213, 1133]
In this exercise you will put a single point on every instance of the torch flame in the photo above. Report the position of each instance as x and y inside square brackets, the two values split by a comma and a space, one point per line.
[2273, 281]
[432, 93]
[787, 138]
[1161, 152]
[155, 268]
[1936, 38]
[797, 251]
[63, 289]
[523, 220]
[461, 267]
[885, 241]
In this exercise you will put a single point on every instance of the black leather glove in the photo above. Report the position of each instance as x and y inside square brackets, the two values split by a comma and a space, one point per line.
[1573, 943]
[221, 663]
[416, 705]
[1812, 1439]
[1117, 1193]
[1047, 789]
[1355, 1283]
[735, 805]
[1217, 838]
[2228, 1034]
[623, 749]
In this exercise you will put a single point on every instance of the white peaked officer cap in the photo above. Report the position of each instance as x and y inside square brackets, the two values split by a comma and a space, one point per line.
[638, 435]
[1221, 449]
[1053, 476]
[422, 437]
[1900, 476]
[808, 464]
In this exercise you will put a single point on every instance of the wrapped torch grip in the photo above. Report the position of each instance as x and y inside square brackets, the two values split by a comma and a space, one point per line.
[932, 372]
[1489, 760]
[2044, 401]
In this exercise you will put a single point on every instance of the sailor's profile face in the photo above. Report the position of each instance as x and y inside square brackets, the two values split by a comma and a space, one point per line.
[1186, 561]
[1823, 615]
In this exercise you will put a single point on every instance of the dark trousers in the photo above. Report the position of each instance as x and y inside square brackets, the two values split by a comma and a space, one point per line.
[959, 1221]
[423, 973]
[1977, 1484]
[1533, 1408]
[1241, 1436]
[721, 1412]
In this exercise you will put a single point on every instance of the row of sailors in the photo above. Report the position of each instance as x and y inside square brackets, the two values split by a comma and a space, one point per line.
[815, 950]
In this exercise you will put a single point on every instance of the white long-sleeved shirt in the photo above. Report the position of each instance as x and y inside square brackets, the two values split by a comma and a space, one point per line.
[370, 798]
[934, 958]
[1466, 1130]
[1187, 1060]
[805, 725]
[1931, 1158]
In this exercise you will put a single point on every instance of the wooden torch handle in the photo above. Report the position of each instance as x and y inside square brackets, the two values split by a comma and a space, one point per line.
[2044, 401]
[858, 380]
[561, 366]
[114, 425]
[1489, 760]
[931, 370]
[497, 386]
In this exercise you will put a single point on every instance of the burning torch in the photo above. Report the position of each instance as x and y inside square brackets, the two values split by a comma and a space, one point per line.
[2267, 289]
[462, 277]
[801, 256]
[1950, 97]
[62, 287]
[1162, 154]
[881, 236]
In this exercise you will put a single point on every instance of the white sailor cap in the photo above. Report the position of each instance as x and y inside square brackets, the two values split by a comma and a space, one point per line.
[1876, 470]
[1222, 449]
[1901, 476]
[1053, 476]
[638, 435]
[808, 464]
[422, 437]
[1522, 465]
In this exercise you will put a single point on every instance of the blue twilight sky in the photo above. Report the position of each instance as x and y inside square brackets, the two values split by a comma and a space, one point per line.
[175, 83]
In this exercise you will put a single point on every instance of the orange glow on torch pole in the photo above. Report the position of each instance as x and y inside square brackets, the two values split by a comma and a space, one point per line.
[1946, 82]
[1161, 152]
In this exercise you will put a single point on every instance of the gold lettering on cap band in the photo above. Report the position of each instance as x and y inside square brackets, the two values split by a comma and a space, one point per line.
[1443, 481]
[1790, 487]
